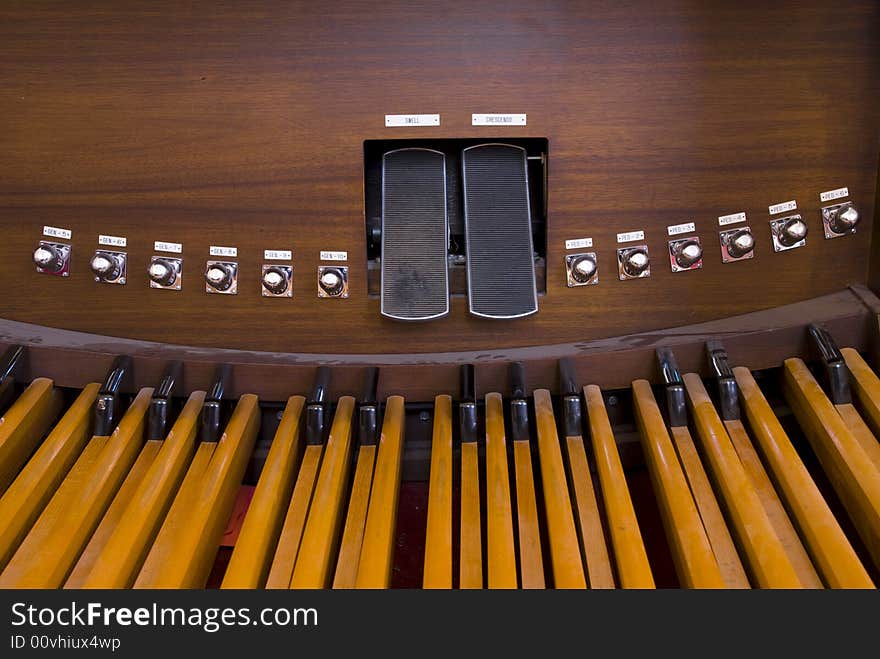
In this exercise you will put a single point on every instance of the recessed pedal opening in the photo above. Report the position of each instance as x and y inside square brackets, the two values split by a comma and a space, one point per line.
[536, 153]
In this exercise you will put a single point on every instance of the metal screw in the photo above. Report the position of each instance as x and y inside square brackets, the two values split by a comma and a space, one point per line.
[424, 417]
[612, 401]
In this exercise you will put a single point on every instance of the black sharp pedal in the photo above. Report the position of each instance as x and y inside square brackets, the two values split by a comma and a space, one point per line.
[415, 280]
[498, 231]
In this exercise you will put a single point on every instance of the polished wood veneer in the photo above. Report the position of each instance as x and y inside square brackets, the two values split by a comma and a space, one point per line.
[757, 340]
[243, 124]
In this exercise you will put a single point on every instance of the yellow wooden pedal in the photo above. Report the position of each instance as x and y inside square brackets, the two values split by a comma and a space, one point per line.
[177, 519]
[49, 552]
[833, 554]
[377, 552]
[866, 386]
[785, 531]
[694, 560]
[764, 551]
[281, 569]
[24, 425]
[500, 548]
[438, 536]
[531, 561]
[565, 555]
[588, 518]
[321, 533]
[249, 565]
[860, 431]
[471, 558]
[207, 508]
[710, 512]
[630, 557]
[853, 474]
[27, 496]
[123, 554]
[114, 515]
[355, 519]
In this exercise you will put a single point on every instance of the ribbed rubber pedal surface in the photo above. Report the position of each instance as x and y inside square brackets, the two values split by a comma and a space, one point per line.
[415, 280]
[498, 231]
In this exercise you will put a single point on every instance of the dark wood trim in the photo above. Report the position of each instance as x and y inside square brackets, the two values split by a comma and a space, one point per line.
[756, 340]
[874, 255]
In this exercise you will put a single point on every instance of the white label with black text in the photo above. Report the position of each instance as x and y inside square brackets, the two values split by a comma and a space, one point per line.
[223, 251]
[677, 229]
[334, 256]
[733, 218]
[55, 232]
[161, 246]
[401, 120]
[831, 195]
[498, 120]
[579, 243]
[278, 255]
[629, 236]
[115, 241]
[784, 207]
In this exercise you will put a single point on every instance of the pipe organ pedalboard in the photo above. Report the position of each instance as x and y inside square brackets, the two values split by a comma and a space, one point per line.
[105, 489]
[260, 331]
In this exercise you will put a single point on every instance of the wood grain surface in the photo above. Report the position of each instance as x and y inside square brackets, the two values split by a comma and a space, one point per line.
[759, 340]
[231, 123]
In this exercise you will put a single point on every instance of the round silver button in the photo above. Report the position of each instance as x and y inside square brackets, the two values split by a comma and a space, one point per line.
[332, 282]
[44, 256]
[636, 262]
[219, 277]
[583, 268]
[158, 271]
[216, 276]
[741, 244]
[275, 281]
[793, 231]
[101, 265]
[688, 254]
[162, 272]
[845, 219]
[105, 266]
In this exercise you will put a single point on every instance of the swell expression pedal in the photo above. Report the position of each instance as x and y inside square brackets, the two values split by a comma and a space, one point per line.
[415, 280]
[498, 232]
